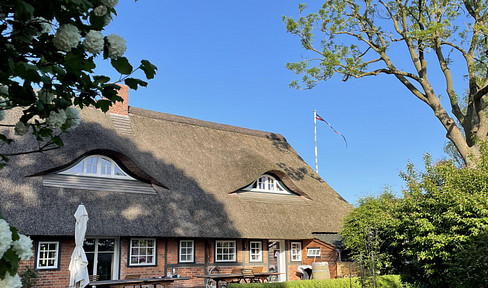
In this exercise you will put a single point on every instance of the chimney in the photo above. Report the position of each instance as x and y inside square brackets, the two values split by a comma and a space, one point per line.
[121, 108]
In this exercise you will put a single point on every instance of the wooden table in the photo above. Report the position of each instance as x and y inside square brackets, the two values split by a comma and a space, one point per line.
[135, 282]
[262, 276]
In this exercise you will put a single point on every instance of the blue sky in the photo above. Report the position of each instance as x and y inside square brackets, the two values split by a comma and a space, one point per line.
[224, 61]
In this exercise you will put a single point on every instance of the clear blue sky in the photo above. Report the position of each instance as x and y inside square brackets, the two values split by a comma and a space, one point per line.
[224, 61]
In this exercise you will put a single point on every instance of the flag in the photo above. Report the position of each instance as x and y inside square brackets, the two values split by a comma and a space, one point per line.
[322, 119]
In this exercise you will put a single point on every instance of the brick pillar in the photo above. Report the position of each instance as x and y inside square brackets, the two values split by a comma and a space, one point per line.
[121, 108]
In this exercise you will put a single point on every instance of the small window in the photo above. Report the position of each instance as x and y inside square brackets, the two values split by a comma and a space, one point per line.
[296, 251]
[142, 252]
[225, 251]
[97, 166]
[313, 252]
[187, 251]
[268, 183]
[47, 255]
[255, 251]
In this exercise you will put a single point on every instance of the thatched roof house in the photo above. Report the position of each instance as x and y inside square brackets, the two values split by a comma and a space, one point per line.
[186, 179]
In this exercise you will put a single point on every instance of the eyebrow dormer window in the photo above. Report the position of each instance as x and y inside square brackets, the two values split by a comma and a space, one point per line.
[97, 166]
[267, 183]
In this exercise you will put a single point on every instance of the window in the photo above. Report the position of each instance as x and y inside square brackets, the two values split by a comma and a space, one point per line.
[255, 251]
[296, 251]
[47, 255]
[268, 183]
[225, 251]
[97, 166]
[142, 252]
[187, 253]
[313, 252]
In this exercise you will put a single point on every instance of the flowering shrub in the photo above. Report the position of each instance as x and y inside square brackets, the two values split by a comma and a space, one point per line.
[48, 51]
[13, 247]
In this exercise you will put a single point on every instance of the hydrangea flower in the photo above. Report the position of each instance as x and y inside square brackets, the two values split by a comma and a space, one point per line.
[45, 96]
[73, 118]
[107, 19]
[45, 25]
[11, 281]
[116, 46]
[67, 37]
[23, 247]
[100, 10]
[21, 129]
[3, 90]
[93, 42]
[110, 3]
[5, 238]
[56, 119]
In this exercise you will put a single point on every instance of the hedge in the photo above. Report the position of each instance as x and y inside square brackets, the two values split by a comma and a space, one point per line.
[385, 281]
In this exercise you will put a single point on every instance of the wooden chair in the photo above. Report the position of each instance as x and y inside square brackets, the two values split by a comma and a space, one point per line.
[93, 277]
[133, 276]
[257, 269]
[236, 270]
[247, 274]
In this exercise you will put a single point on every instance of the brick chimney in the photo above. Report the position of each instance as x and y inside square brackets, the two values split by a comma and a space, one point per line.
[121, 108]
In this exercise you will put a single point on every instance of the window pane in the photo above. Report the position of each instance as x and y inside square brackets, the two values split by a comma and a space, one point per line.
[89, 245]
[77, 169]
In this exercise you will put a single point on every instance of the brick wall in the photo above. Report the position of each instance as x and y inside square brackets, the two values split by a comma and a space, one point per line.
[121, 107]
[204, 261]
[328, 253]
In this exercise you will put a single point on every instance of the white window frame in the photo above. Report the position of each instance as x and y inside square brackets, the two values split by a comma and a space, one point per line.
[99, 160]
[258, 254]
[192, 251]
[234, 248]
[56, 257]
[146, 247]
[312, 252]
[269, 184]
[296, 251]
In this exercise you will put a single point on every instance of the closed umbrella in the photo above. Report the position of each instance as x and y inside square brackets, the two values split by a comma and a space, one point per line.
[78, 264]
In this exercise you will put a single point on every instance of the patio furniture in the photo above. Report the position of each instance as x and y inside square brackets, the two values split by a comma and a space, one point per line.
[163, 281]
[248, 275]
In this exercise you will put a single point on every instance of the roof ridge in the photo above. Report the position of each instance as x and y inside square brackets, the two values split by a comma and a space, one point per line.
[203, 123]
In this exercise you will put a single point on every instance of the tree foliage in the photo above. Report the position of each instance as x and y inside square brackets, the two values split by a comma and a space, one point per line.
[48, 52]
[360, 38]
[443, 211]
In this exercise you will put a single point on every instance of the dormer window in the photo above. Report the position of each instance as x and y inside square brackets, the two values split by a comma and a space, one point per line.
[267, 183]
[97, 166]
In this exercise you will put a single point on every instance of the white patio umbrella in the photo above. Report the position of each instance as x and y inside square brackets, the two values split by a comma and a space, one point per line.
[78, 264]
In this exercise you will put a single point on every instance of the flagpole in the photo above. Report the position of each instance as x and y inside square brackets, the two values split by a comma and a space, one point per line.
[315, 130]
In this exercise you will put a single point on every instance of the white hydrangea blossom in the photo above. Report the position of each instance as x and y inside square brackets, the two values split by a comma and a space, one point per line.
[11, 281]
[23, 247]
[45, 25]
[73, 117]
[94, 42]
[3, 90]
[21, 129]
[56, 119]
[107, 19]
[5, 238]
[100, 10]
[67, 37]
[110, 3]
[116, 46]
[45, 96]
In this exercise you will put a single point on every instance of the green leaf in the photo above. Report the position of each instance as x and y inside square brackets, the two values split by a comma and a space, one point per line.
[148, 68]
[133, 82]
[122, 65]
[57, 140]
[100, 79]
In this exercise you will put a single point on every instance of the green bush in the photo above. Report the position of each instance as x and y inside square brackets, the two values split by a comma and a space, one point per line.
[386, 281]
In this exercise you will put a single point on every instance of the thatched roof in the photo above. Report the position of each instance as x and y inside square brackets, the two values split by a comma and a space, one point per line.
[196, 169]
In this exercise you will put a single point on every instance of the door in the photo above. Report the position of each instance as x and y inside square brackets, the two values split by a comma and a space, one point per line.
[102, 255]
[277, 260]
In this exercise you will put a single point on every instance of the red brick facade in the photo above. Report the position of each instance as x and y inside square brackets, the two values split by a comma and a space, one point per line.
[167, 259]
[121, 108]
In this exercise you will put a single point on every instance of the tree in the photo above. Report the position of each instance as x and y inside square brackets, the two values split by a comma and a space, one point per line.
[428, 232]
[359, 38]
[49, 51]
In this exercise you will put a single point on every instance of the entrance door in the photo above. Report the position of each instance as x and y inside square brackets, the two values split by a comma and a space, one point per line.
[102, 255]
[277, 259]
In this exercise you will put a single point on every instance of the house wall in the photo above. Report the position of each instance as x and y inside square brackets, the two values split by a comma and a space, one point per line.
[328, 253]
[167, 260]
